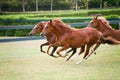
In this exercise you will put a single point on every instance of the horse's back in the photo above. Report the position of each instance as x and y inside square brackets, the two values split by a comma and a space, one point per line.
[92, 34]
[91, 31]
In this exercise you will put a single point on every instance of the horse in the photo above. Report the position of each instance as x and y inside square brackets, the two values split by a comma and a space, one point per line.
[102, 25]
[70, 37]
[51, 38]
[106, 29]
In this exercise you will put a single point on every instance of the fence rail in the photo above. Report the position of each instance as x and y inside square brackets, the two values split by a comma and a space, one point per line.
[21, 39]
[112, 21]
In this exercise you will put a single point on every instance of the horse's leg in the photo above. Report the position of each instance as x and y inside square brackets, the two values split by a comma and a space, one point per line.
[62, 49]
[54, 49]
[42, 46]
[96, 46]
[48, 50]
[74, 51]
[81, 51]
[86, 53]
[52, 45]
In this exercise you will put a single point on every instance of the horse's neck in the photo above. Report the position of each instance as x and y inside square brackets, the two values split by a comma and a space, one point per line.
[51, 37]
[57, 32]
[60, 31]
[103, 27]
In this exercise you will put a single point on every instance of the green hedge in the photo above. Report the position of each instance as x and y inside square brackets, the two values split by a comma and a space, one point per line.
[23, 18]
[115, 26]
[66, 20]
[79, 13]
[105, 12]
[20, 32]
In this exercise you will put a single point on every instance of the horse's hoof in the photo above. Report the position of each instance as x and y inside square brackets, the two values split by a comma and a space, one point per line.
[65, 55]
[67, 60]
[95, 53]
[72, 59]
[43, 51]
[85, 57]
[54, 56]
[78, 62]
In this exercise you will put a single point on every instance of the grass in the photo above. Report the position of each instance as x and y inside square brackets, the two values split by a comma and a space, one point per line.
[23, 61]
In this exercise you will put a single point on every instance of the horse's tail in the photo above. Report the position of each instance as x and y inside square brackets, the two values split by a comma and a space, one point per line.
[110, 41]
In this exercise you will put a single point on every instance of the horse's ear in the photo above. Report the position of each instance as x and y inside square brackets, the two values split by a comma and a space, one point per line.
[97, 15]
[50, 21]
[59, 19]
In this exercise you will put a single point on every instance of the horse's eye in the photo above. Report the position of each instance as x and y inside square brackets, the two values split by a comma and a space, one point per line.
[46, 27]
[92, 22]
[36, 28]
[40, 25]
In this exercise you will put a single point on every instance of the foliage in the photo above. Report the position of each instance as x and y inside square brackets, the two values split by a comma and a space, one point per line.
[105, 12]
[19, 32]
[115, 26]
[30, 5]
[22, 32]
[67, 16]
[112, 16]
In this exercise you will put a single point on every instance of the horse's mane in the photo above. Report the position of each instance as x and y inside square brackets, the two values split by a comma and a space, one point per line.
[104, 21]
[41, 23]
[62, 24]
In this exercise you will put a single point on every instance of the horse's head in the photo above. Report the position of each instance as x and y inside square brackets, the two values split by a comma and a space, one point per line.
[55, 26]
[37, 28]
[47, 28]
[95, 22]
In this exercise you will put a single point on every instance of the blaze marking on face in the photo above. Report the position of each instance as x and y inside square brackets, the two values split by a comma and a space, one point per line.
[35, 26]
[46, 25]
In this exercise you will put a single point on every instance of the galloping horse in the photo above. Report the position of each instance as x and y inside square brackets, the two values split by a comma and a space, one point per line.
[70, 37]
[51, 38]
[106, 29]
[102, 25]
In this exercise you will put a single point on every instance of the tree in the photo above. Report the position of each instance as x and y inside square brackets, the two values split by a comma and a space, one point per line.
[76, 5]
[101, 1]
[0, 5]
[36, 5]
[23, 5]
[86, 3]
[73, 4]
[51, 5]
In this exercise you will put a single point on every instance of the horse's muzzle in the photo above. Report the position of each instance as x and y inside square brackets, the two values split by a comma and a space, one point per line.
[30, 34]
[42, 34]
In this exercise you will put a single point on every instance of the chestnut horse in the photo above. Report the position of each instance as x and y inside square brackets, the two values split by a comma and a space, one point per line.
[106, 29]
[51, 38]
[102, 25]
[70, 37]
